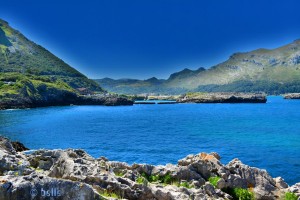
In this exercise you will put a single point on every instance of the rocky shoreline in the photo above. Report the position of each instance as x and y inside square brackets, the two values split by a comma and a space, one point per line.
[73, 174]
[70, 98]
[292, 96]
[222, 97]
[64, 100]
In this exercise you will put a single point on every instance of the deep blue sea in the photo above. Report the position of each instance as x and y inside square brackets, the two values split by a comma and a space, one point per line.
[261, 135]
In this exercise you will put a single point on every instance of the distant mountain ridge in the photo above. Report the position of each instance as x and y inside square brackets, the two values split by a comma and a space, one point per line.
[273, 71]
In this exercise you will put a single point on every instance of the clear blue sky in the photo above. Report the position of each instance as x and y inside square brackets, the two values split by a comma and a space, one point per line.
[146, 38]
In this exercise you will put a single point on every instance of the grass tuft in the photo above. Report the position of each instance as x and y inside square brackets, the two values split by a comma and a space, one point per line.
[240, 193]
[119, 173]
[186, 185]
[109, 194]
[214, 180]
[290, 196]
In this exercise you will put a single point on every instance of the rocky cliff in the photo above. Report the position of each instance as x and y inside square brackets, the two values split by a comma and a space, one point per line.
[65, 99]
[73, 174]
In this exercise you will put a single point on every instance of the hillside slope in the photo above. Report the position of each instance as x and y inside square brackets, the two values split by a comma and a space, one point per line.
[29, 74]
[272, 71]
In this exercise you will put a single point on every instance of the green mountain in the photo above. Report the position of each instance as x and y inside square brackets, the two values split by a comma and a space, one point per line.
[29, 74]
[273, 71]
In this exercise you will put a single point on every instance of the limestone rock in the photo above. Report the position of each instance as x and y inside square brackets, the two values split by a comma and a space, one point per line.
[280, 183]
[292, 96]
[40, 187]
[223, 97]
[245, 176]
[295, 189]
[77, 175]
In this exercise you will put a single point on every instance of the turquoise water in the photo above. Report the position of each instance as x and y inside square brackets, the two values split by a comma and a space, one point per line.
[261, 135]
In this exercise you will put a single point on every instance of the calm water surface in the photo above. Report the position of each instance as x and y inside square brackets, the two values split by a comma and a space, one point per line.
[261, 135]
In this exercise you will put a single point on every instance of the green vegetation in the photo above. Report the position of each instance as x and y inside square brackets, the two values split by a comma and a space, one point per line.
[154, 178]
[119, 173]
[37, 169]
[28, 72]
[272, 88]
[3, 39]
[214, 180]
[106, 193]
[29, 85]
[167, 179]
[142, 180]
[185, 184]
[274, 71]
[3, 51]
[290, 196]
[240, 193]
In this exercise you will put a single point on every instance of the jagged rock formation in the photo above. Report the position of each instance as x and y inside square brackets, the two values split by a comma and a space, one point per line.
[292, 96]
[71, 99]
[73, 174]
[222, 98]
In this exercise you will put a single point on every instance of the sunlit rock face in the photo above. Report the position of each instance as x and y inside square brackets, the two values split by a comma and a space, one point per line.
[73, 174]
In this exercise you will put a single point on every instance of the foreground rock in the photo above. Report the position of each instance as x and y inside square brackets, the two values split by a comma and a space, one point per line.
[73, 174]
[292, 96]
[18, 146]
[222, 98]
